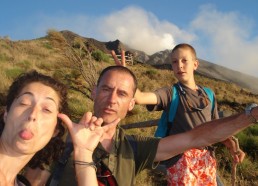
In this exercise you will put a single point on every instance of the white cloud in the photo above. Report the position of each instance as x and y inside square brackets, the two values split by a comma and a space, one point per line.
[133, 26]
[141, 30]
[225, 38]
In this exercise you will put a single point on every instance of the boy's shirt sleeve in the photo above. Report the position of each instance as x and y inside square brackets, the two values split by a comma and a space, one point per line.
[163, 97]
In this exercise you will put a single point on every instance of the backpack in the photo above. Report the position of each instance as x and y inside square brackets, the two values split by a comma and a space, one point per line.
[168, 117]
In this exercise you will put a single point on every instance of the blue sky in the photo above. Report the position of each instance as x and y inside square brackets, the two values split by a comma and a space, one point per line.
[224, 32]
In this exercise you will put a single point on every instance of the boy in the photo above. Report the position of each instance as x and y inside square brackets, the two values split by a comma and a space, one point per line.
[195, 166]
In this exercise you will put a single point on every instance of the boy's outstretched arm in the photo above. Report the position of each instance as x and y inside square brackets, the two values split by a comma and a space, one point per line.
[204, 135]
[145, 98]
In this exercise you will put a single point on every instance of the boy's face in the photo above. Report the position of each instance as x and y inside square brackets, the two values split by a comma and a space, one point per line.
[184, 64]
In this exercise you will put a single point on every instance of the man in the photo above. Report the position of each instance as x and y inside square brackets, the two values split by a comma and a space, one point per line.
[125, 155]
[114, 97]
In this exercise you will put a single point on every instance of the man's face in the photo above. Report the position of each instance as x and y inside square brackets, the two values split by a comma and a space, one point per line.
[114, 96]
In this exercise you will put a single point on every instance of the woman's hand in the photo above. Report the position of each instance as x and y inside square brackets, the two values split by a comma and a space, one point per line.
[87, 133]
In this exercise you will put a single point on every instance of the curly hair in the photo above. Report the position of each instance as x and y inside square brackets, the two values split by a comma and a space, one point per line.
[52, 151]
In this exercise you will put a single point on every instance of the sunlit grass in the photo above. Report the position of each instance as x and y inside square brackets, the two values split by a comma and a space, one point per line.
[18, 57]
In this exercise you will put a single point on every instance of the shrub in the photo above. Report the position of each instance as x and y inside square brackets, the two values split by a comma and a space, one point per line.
[5, 82]
[47, 45]
[249, 143]
[100, 56]
[25, 64]
[75, 74]
[4, 57]
[78, 104]
[151, 73]
[14, 72]
[44, 65]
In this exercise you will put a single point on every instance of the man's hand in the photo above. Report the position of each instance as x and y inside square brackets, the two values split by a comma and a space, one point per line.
[87, 133]
[119, 63]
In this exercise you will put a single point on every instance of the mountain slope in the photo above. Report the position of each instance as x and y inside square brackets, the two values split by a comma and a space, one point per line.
[222, 73]
[210, 70]
[161, 60]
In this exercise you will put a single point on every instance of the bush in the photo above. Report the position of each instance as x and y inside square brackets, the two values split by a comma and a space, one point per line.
[151, 73]
[249, 145]
[78, 104]
[4, 57]
[25, 64]
[44, 65]
[75, 74]
[100, 56]
[47, 45]
[4, 85]
[14, 72]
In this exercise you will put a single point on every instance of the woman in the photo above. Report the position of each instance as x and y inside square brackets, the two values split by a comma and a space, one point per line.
[30, 121]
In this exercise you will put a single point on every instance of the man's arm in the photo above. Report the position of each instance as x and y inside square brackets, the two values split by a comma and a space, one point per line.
[203, 135]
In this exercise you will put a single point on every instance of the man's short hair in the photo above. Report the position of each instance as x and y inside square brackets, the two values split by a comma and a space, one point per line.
[121, 69]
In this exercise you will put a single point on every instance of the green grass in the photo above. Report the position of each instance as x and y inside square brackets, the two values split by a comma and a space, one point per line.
[12, 73]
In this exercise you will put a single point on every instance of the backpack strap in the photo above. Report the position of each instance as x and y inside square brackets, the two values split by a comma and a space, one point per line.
[133, 144]
[22, 180]
[174, 104]
[60, 166]
[168, 116]
[211, 97]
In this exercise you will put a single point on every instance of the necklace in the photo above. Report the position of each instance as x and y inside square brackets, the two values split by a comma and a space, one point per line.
[190, 105]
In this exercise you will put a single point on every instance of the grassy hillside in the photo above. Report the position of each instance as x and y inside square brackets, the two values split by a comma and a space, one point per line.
[41, 55]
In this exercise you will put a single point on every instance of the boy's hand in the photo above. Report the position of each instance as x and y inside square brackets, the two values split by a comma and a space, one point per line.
[119, 63]
[238, 156]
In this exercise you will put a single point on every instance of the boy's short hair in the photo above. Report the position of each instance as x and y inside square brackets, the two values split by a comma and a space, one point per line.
[185, 46]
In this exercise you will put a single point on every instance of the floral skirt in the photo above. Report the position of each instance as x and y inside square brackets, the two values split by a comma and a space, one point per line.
[195, 168]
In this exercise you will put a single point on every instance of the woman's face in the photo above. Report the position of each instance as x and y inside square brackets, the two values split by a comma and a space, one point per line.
[31, 121]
